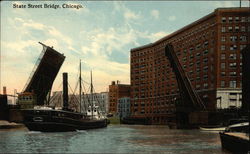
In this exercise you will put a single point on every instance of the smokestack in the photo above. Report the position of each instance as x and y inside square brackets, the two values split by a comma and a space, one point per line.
[4, 90]
[65, 91]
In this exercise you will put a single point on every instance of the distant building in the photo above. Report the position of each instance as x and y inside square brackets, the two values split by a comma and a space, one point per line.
[116, 91]
[123, 107]
[99, 99]
[10, 101]
[209, 51]
[27, 100]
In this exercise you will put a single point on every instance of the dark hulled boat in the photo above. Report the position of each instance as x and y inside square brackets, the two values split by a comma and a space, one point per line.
[236, 138]
[47, 119]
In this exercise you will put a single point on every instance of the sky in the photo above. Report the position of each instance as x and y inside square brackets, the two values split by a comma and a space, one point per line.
[101, 34]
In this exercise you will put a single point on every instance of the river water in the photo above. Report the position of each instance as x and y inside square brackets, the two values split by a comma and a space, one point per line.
[113, 139]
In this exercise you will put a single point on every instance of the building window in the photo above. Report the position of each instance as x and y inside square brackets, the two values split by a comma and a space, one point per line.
[222, 84]
[232, 56]
[205, 85]
[230, 19]
[205, 52]
[223, 56]
[237, 19]
[233, 38]
[232, 73]
[223, 39]
[198, 46]
[243, 28]
[184, 59]
[223, 47]
[223, 29]
[230, 29]
[237, 28]
[198, 63]
[223, 19]
[243, 38]
[198, 55]
[223, 73]
[205, 77]
[191, 50]
[243, 19]
[205, 60]
[242, 46]
[205, 68]
[233, 65]
[198, 70]
[233, 47]
[232, 84]
[223, 65]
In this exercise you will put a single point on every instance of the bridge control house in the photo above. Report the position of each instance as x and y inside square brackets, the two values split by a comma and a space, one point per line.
[209, 52]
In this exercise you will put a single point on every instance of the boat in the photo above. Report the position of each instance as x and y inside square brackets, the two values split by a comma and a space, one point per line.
[213, 128]
[45, 118]
[232, 123]
[236, 138]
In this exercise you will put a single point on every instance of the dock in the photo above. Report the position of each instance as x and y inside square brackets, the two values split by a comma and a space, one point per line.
[8, 125]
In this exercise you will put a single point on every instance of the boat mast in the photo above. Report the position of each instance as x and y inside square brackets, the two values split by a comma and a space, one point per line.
[91, 92]
[80, 87]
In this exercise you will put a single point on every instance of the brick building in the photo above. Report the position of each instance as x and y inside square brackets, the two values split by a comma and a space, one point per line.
[209, 51]
[117, 91]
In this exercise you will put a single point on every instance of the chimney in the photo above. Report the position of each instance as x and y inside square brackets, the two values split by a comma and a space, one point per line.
[113, 83]
[4, 90]
[65, 91]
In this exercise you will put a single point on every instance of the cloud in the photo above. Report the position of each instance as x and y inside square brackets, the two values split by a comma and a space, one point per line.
[49, 32]
[171, 18]
[156, 36]
[104, 42]
[155, 14]
[32, 24]
[128, 14]
[57, 34]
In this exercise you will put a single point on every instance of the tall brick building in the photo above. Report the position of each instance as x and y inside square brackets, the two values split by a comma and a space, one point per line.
[116, 91]
[209, 51]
